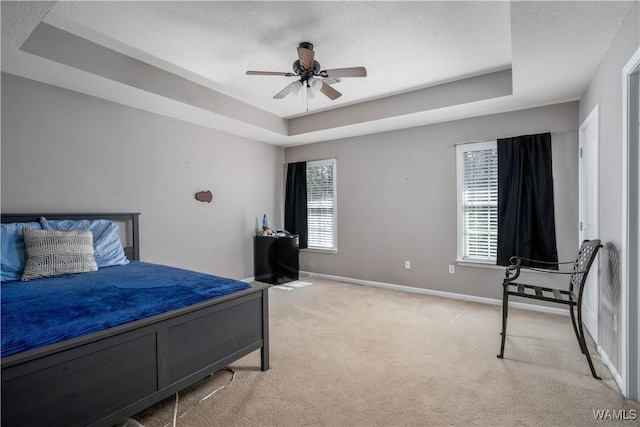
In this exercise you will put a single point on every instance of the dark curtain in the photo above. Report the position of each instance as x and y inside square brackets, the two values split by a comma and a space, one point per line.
[526, 225]
[295, 202]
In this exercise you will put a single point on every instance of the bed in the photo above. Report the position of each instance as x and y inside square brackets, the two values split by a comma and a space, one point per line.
[103, 376]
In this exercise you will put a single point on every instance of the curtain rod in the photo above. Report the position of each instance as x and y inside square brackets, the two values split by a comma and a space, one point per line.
[495, 139]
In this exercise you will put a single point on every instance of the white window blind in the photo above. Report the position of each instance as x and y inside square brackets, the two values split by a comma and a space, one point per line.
[321, 204]
[477, 201]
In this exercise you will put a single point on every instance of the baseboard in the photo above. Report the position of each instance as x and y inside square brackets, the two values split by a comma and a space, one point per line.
[463, 297]
[614, 372]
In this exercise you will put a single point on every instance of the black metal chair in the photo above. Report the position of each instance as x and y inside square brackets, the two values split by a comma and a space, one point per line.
[571, 297]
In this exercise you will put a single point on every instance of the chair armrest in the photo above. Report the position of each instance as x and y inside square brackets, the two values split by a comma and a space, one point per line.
[513, 259]
[516, 265]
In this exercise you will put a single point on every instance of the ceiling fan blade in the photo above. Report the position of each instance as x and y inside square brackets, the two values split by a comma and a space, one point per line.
[269, 73]
[345, 72]
[330, 92]
[306, 58]
[332, 80]
[294, 87]
[284, 92]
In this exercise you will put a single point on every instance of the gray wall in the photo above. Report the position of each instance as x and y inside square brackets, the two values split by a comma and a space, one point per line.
[605, 89]
[396, 199]
[67, 152]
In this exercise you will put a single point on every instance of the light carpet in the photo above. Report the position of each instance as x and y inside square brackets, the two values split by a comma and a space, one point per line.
[353, 355]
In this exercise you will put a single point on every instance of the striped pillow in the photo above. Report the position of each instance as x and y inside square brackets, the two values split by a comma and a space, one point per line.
[54, 253]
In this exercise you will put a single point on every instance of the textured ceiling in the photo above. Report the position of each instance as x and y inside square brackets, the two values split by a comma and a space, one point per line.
[410, 50]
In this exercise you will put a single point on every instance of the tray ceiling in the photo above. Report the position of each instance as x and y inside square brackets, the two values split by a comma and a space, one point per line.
[427, 62]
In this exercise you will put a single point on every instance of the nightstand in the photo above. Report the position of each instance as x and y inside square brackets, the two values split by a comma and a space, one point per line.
[275, 259]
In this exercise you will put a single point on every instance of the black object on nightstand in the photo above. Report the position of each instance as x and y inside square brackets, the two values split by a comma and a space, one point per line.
[275, 259]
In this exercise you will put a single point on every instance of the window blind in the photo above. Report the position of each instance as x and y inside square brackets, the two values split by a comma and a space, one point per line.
[480, 203]
[321, 204]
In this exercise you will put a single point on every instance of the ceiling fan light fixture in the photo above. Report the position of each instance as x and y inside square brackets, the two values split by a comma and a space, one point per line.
[313, 87]
[296, 87]
[316, 85]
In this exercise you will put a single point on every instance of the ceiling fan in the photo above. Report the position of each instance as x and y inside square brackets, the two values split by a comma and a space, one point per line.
[311, 76]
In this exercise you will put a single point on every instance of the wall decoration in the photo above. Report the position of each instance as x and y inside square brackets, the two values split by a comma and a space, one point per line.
[204, 196]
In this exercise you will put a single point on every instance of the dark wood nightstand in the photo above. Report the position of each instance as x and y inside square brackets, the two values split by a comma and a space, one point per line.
[275, 259]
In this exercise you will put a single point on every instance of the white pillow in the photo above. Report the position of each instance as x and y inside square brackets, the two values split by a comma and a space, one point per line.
[54, 253]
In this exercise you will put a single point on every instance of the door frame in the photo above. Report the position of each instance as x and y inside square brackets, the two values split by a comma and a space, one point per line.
[592, 119]
[630, 333]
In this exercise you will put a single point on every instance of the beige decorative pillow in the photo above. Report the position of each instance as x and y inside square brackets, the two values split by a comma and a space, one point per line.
[54, 253]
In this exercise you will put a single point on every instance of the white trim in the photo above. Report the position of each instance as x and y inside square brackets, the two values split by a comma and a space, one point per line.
[460, 149]
[607, 362]
[493, 266]
[333, 162]
[481, 264]
[459, 180]
[593, 116]
[450, 295]
[626, 329]
[322, 251]
[593, 119]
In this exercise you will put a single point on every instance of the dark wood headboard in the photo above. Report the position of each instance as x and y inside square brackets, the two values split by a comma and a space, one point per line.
[131, 248]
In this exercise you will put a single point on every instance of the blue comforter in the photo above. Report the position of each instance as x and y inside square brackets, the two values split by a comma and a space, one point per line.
[46, 311]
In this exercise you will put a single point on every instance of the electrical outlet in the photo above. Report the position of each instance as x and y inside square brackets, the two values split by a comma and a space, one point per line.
[615, 323]
[407, 265]
[452, 269]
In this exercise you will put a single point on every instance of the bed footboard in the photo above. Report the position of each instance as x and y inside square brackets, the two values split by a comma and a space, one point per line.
[108, 376]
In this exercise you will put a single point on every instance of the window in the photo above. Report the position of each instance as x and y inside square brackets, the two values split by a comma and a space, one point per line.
[477, 170]
[321, 205]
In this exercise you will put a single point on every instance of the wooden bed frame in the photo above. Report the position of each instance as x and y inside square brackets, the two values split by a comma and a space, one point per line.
[105, 377]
